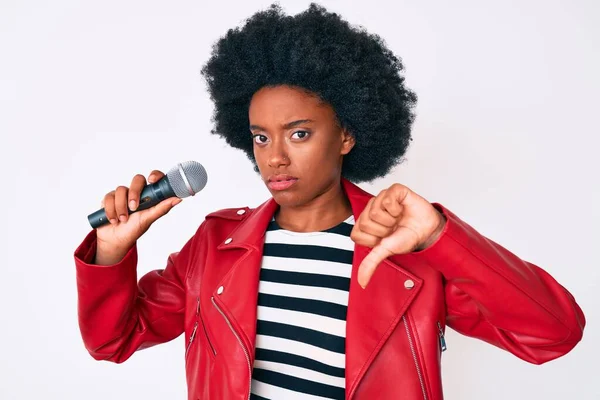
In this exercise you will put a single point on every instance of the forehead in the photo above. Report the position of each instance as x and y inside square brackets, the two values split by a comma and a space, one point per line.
[282, 103]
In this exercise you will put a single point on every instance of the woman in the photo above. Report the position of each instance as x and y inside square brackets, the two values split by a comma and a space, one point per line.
[323, 291]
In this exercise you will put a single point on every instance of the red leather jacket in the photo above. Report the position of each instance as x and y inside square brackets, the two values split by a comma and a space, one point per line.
[208, 290]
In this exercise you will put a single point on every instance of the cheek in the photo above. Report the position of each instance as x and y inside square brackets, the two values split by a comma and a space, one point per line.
[312, 162]
[318, 153]
[259, 156]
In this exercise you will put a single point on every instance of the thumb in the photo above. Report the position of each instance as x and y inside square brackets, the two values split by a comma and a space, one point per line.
[370, 263]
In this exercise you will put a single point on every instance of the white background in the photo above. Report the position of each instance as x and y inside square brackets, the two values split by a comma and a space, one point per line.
[92, 93]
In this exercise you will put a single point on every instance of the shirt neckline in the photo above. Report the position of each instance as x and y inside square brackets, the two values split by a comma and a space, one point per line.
[350, 219]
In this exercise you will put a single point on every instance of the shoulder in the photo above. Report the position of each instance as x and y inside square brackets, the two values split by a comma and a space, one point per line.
[235, 214]
[221, 222]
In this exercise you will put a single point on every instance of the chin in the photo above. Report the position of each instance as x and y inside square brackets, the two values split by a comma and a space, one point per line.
[286, 198]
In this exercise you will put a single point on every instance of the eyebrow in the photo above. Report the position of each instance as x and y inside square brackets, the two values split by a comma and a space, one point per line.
[284, 126]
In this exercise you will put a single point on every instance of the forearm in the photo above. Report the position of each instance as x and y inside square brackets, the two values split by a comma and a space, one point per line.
[106, 288]
[118, 315]
[494, 295]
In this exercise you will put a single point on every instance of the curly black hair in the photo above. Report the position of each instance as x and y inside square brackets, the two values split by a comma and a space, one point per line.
[316, 51]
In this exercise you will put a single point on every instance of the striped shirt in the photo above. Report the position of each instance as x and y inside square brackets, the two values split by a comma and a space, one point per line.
[301, 316]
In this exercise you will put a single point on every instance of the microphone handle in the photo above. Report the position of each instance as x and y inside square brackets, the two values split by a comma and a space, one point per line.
[150, 196]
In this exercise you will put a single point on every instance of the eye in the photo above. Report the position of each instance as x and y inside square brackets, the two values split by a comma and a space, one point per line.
[301, 134]
[260, 139]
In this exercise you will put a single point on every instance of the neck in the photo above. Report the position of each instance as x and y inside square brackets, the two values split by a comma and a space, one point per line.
[326, 210]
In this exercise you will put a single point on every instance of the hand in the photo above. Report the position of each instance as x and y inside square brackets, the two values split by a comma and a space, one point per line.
[124, 228]
[396, 221]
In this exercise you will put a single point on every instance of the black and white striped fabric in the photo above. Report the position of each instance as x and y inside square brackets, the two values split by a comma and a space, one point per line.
[301, 316]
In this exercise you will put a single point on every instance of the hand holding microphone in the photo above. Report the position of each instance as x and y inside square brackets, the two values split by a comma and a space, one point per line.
[129, 212]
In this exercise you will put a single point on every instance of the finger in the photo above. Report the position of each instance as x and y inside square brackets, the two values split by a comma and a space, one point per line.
[366, 223]
[370, 263]
[373, 228]
[155, 175]
[399, 192]
[393, 206]
[160, 209]
[378, 213]
[365, 213]
[109, 207]
[121, 203]
[364, 239]
[358, 234]
[137, 184]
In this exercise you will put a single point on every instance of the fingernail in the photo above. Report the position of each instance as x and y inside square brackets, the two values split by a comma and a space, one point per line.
[113, 221]
[132, 205]
[122, 218]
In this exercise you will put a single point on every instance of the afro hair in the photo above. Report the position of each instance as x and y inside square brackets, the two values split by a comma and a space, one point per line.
[317, 51]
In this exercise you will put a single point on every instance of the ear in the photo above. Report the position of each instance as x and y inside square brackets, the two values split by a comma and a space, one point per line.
[348, 142]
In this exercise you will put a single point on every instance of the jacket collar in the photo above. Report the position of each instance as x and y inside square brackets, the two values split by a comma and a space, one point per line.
[373, 312]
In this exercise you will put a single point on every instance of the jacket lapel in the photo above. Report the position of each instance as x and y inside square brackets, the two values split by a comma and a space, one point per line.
[244, 255]
[373, 312]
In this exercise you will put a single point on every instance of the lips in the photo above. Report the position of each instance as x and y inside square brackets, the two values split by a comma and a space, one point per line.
[281, 178]
[281, 182]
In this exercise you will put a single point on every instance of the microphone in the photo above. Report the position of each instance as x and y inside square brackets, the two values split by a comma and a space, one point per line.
[183, 180]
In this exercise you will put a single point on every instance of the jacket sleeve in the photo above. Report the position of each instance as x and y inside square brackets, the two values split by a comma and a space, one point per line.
[493, 295]
[119, 315]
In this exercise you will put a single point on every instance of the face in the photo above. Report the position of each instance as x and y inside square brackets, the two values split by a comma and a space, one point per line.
[298, 144]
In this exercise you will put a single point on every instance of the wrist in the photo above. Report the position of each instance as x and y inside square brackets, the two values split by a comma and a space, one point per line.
[107, 254]
[436, 233]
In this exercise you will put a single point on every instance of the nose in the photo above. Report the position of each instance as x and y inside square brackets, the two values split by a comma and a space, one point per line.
[278, 157]
[278, 160]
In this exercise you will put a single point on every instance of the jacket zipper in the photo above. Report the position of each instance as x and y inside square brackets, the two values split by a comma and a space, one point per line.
[193, 335]
[414, 354]
[240, 342]
[194, 331]
[208, 339]
[442, 337]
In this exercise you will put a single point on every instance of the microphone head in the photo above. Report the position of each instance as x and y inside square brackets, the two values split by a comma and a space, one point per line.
[187, 178]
